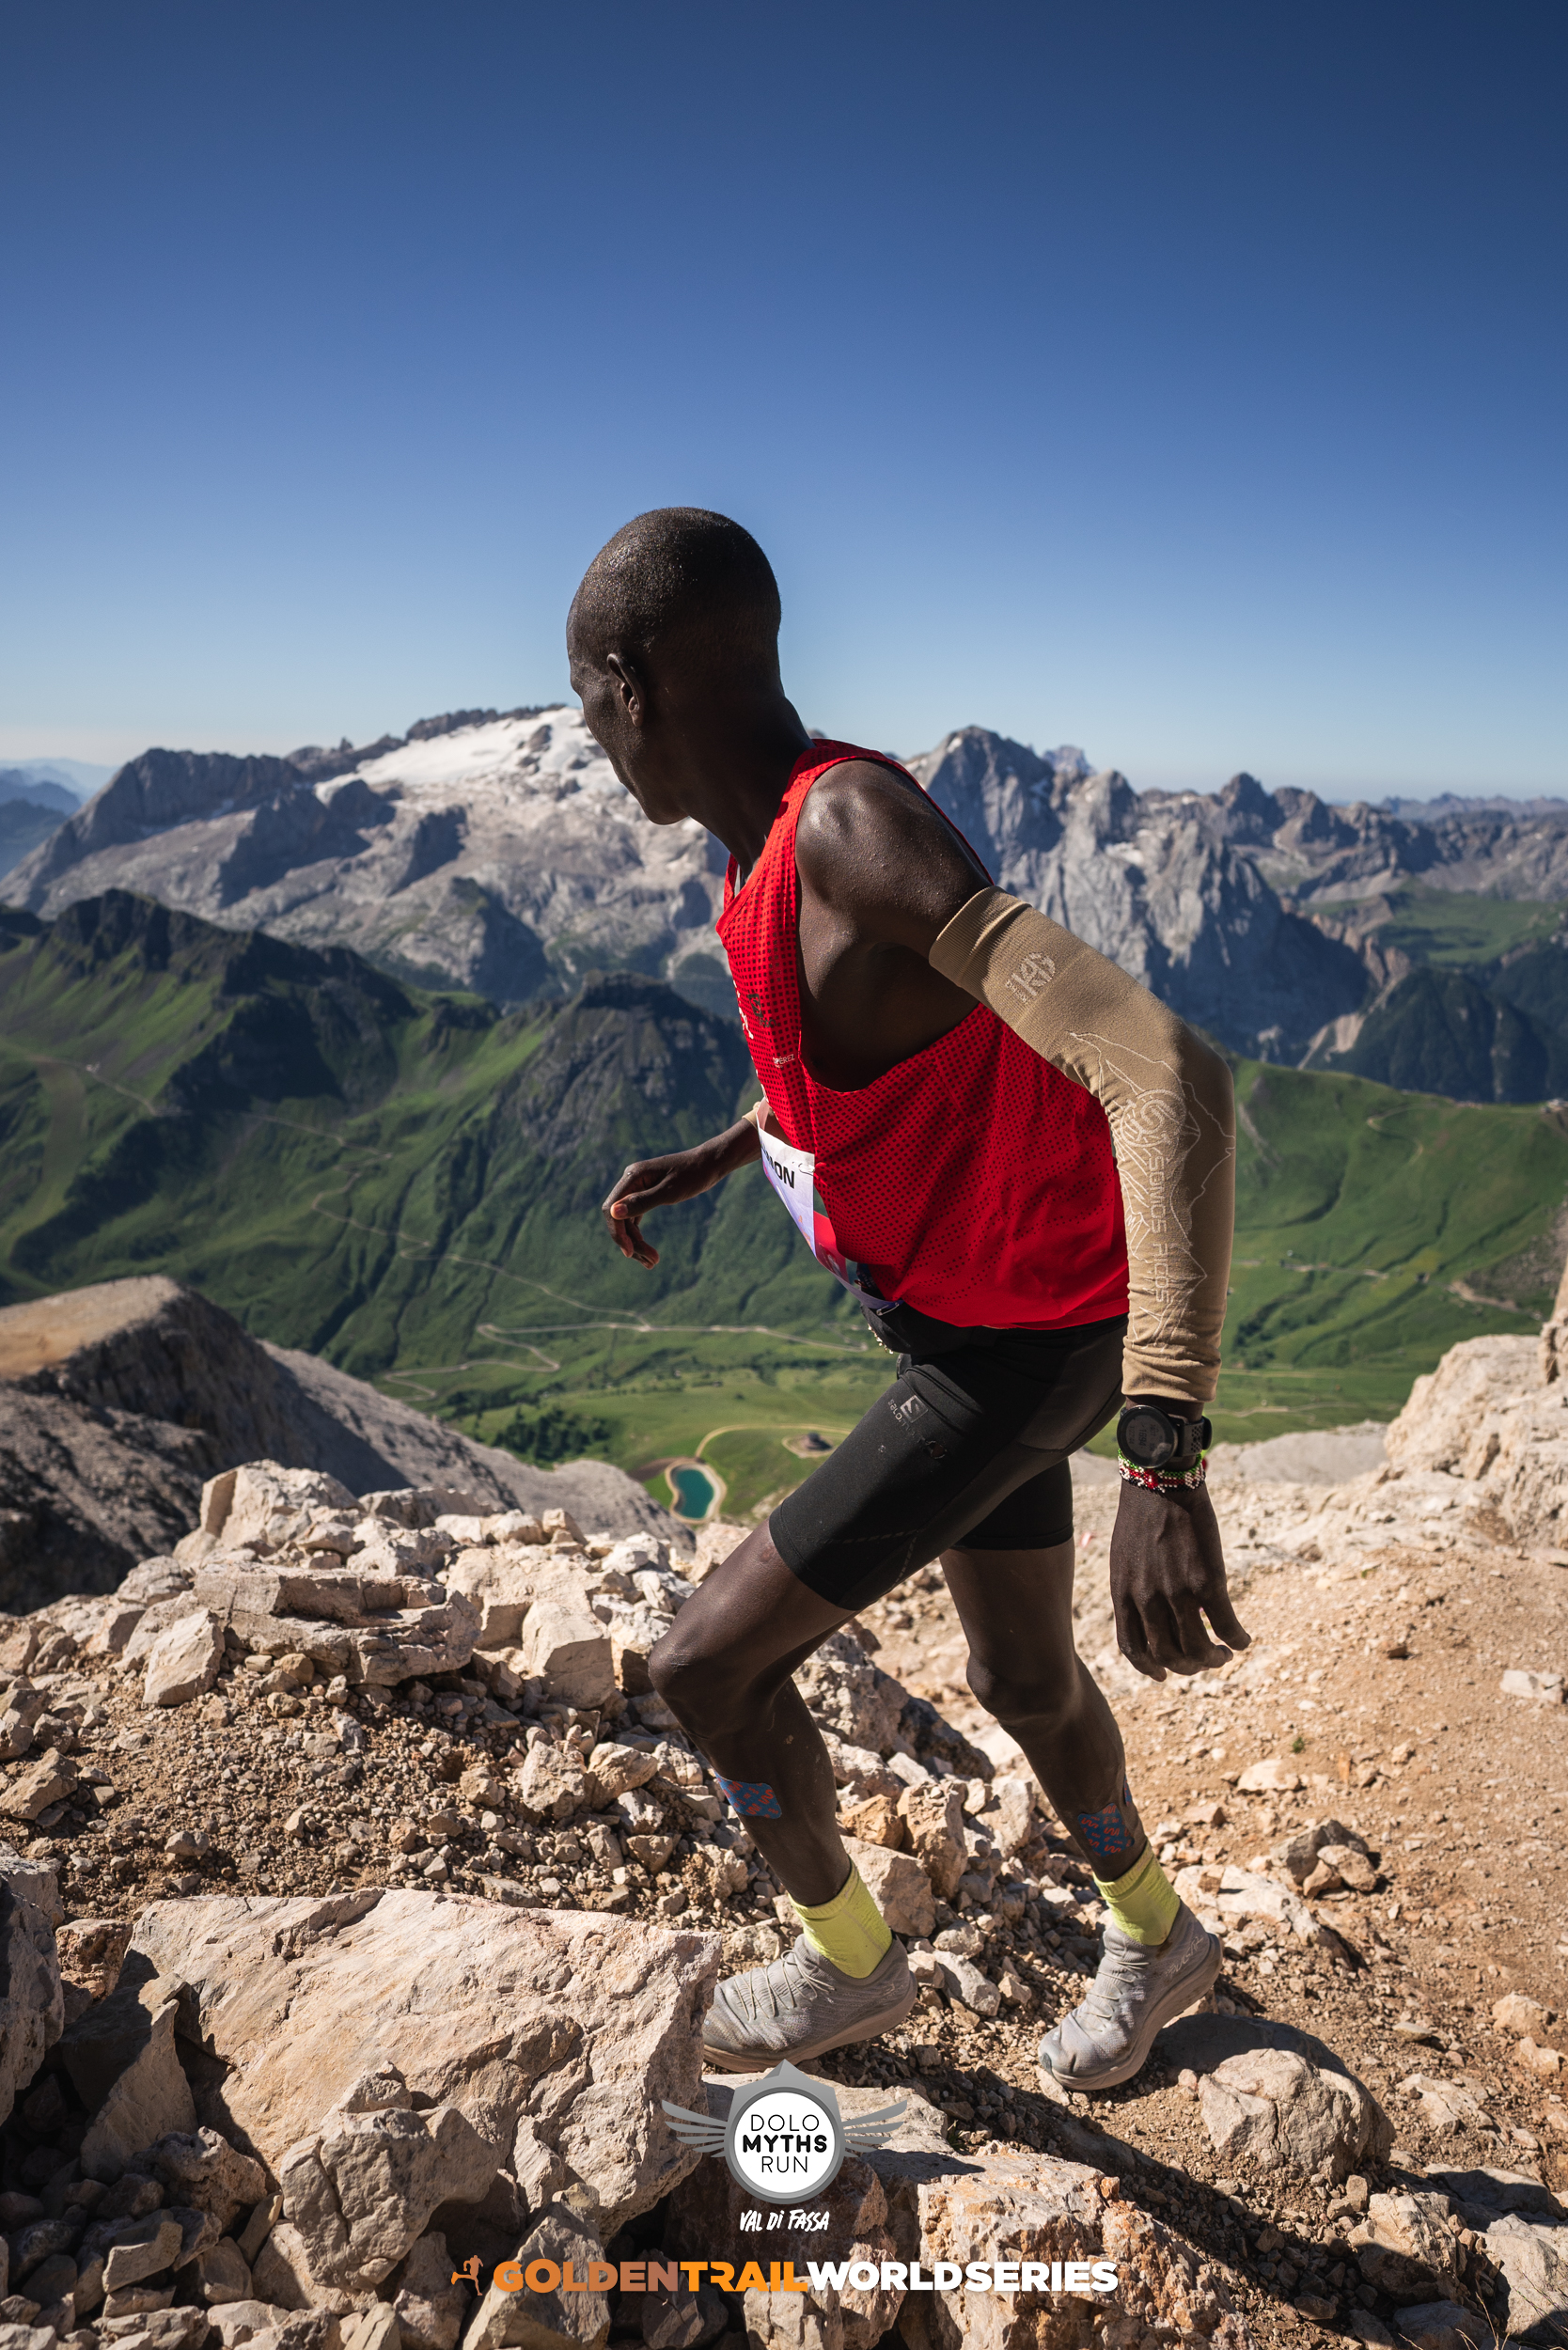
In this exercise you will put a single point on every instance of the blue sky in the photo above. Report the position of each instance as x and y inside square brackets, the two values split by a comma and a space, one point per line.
[1186, 383]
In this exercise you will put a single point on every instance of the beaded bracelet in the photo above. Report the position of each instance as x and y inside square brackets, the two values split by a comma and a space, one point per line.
[1155, 1480]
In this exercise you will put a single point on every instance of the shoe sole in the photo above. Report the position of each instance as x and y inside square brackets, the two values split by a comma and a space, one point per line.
[1164, 2010]
[764, 2060]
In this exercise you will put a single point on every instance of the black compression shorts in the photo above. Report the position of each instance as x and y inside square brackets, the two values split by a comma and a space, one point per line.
[967, 1448]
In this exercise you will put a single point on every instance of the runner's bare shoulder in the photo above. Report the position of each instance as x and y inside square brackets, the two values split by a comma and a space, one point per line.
[870, 841]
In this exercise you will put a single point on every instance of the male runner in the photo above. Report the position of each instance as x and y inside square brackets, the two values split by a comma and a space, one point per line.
[1021, 1163]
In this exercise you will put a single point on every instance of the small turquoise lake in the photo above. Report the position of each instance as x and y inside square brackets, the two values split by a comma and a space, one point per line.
[694, 1490]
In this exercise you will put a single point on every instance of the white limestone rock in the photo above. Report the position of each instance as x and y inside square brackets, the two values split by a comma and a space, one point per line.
[1492, 1418]
[360, 2192]
[183, 1661]
[845, 1692]
[31, 2004]
[503, 1580]
[898, 1885]
[565, 1646]
[1276, 2109]
[1247, 1893]
[430, 2309]
[553, 1783]
[613, 1768]
[200, 2169]
[1404, 2248]
[602, 2014]
[264, 1505]
[123, 2065]
[933, 1815]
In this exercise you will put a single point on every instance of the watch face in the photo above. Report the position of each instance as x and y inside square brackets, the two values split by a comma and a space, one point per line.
[1146, 1436]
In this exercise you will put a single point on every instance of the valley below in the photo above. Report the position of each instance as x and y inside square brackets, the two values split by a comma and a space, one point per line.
[408, 1184]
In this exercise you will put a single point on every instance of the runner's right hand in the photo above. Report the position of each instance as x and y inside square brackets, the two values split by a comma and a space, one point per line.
[662, 1183]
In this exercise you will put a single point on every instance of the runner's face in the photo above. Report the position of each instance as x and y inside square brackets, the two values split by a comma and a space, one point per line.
[610, 721]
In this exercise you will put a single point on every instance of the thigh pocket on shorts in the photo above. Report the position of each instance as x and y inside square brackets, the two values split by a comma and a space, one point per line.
[920, 1427]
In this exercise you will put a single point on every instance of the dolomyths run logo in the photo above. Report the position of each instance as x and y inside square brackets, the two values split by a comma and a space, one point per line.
[785, 2138]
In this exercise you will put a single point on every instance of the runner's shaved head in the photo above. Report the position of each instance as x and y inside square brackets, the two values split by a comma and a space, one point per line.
[680, 580]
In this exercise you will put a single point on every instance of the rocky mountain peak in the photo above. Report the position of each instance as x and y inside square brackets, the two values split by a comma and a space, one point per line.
[119, 1400]
[1253, 813]
[496, 852]
[367, 1899]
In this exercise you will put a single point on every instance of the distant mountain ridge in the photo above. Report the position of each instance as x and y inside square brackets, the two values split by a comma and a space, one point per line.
[37, 789]
[23, 823]
[1452, 803]
[496, 852]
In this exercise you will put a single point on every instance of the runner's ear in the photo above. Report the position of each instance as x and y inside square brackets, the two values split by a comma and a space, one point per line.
[629, 686]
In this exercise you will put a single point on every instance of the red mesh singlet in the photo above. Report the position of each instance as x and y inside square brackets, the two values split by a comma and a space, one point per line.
[972, 1181]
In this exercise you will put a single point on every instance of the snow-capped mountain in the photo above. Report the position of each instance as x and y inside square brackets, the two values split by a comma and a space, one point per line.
[497, 852]
[499, 855]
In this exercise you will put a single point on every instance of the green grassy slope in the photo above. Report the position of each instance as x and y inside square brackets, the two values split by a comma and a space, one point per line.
[1455, 929]
[408, 1184]
[1485, 1015]
[1373, 1229]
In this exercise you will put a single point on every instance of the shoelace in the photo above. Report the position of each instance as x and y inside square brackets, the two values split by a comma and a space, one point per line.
[788, 1972]
[1120, 1972]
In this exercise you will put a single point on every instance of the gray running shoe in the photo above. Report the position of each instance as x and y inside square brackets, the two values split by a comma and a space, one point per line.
[801, 2006]
[1105, 2039]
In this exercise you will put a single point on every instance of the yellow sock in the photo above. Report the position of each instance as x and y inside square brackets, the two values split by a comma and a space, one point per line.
[1143, 1903]
[849, 1930]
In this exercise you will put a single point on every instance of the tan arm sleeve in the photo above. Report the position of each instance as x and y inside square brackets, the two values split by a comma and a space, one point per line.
[1172, 1120]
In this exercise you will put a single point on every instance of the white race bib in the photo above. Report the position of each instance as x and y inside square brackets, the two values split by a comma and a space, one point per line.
[793, 1175]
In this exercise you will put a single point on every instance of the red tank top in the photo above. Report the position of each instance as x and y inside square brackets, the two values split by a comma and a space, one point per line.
[973, 1181]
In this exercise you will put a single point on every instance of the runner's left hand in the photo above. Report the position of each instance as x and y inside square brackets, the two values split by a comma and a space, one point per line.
[1167, 1573]
[661, 1182]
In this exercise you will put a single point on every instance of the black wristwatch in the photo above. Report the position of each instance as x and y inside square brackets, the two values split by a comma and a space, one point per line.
[1152, 1438]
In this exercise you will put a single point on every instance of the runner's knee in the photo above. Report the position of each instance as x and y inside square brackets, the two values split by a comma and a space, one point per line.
[1044, 1693]
[701, 1684]
[682, 1673]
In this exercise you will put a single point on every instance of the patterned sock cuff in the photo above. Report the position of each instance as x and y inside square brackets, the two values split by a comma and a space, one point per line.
[751, 1797]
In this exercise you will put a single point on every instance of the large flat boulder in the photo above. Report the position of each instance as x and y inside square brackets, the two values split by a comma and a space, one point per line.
[373, 1628]
[565, 2028]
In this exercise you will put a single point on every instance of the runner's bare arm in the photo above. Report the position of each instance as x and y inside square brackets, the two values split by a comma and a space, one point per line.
[648, 1184]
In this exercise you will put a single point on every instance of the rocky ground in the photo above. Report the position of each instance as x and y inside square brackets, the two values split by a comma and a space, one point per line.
[1372, 1695]
[365, 1724]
